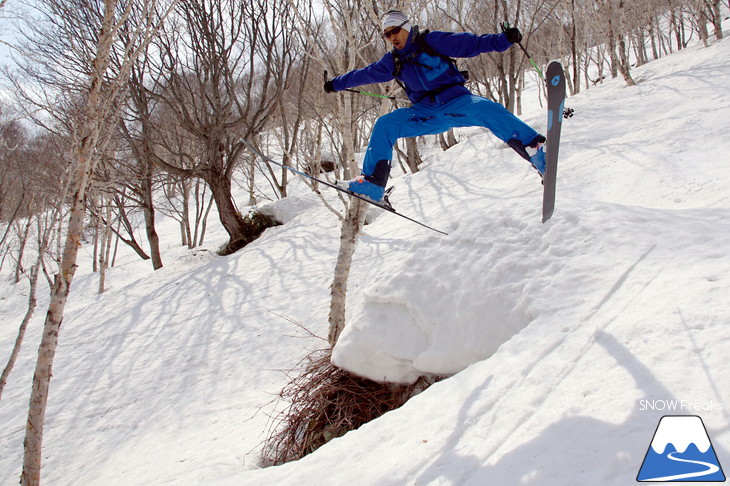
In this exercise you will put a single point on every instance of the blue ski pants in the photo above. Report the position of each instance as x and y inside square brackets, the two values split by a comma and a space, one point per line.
[419, 119]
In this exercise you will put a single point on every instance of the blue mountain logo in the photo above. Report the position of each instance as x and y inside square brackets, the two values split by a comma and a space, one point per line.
[681, 451]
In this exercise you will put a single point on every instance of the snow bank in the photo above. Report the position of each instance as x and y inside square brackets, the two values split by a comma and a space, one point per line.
[410, 319]
[627, 304]
[285, 210]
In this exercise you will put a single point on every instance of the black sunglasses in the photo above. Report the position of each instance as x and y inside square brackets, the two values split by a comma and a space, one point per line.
[394, 31]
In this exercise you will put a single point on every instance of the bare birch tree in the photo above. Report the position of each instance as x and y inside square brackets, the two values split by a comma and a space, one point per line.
[107, 73]
[40, 177]
[337, 43]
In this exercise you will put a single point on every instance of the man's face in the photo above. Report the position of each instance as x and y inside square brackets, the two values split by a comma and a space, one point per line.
[397, 36]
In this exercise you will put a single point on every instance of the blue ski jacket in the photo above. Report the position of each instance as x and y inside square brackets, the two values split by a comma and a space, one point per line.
[430, 80]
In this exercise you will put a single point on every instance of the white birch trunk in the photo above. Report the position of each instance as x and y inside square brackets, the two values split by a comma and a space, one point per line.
[90, 141]
[350, 228]
[87, 157]
[348, 242]
[106, 248]
[59, 294]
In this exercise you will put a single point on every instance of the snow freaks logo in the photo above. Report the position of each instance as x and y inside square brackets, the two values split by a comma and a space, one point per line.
[680, 406]
[681, 451]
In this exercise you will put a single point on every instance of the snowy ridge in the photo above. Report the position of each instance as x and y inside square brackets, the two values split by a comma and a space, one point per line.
[559, 330]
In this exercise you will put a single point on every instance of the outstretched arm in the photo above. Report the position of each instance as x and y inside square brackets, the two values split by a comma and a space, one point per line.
[377, 72]
[466, 44]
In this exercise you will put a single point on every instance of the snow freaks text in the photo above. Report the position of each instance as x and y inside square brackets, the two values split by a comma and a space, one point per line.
[680, 406]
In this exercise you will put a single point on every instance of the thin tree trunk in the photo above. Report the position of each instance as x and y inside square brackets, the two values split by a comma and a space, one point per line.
[96, 219]
[716, 19]
[624, 64]
[447, 140]
[105, 250]
[124, 221]
[21, 251]
[348, 243]
[59, 295]
[32, 300]
[185, 213]
[413, 159]
[348, 237]
[204, 222]
[148, 208]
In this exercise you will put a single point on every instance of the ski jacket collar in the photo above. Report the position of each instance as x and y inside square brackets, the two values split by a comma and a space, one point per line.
[410, 46]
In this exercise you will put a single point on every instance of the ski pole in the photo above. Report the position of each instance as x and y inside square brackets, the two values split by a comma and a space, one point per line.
[392, 98]
[532, 61]
[375, 95]
[505, 26]
[290, 169]
[567, 112]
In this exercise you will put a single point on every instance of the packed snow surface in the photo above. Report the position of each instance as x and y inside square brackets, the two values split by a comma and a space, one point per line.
[565, 342]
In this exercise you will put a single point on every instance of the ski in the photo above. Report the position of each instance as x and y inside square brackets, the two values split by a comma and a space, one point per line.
[555, 78]
[384, 205]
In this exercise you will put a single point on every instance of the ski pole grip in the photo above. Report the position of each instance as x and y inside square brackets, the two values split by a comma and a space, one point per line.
[505, 26]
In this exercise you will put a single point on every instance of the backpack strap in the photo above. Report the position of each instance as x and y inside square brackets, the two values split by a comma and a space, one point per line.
[419, 38]
[429, 49]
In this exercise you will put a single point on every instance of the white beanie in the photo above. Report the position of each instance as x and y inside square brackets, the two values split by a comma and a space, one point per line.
[396, 18]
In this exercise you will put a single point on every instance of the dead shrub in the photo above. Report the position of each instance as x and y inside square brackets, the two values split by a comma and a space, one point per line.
[253, 225]
[325, 402]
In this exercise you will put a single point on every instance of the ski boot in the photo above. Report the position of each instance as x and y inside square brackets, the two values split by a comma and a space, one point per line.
[360, 185]
[538, 158]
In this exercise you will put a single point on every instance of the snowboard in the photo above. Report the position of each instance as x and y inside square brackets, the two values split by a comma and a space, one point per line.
[555, 78]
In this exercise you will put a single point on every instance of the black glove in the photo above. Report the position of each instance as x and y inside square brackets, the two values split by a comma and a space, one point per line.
[513, 34]
[329, 87]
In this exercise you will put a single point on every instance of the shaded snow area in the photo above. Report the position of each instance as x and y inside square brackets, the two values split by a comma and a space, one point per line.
[564, 343]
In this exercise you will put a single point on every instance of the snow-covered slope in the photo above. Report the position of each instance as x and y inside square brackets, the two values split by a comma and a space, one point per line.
[565, 333]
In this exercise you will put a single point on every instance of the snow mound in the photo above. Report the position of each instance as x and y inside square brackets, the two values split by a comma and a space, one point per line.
[409, 321]
[287, 209]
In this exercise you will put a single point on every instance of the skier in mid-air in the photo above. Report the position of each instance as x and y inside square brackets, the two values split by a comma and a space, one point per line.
[421, 63]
